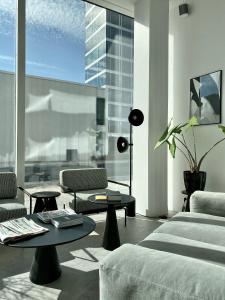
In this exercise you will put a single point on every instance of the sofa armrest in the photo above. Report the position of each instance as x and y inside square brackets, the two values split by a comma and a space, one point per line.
[208, 203]
[135, 272]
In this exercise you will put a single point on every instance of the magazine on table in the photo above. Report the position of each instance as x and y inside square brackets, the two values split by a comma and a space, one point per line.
[67, 221]
[47, 216]
[17, 229]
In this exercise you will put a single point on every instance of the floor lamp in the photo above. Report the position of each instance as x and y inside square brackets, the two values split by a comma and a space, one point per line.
[135, 118]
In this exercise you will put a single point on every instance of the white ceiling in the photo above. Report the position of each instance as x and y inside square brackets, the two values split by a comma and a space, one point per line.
[123, 6]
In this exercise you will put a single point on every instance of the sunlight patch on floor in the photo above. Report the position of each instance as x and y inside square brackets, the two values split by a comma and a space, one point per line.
[20, 287]
[87, 259]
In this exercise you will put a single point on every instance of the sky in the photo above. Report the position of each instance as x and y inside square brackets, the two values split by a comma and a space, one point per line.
[55, 38]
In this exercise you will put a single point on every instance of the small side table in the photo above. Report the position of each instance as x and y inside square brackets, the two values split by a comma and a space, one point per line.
[186, 205]
[111, 239]
[44, 201]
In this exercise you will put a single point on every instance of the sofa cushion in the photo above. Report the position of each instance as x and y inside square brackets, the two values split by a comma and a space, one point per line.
[185, 247]
[134, 272]
[11, 208]
[195, 226]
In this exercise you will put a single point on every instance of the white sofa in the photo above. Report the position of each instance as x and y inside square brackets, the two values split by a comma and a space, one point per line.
[182, 259]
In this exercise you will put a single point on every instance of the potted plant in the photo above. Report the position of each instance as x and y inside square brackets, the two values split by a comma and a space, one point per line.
[174, 137]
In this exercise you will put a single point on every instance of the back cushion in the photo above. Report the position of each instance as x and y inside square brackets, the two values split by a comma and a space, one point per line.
[84, 179]
[8, 185]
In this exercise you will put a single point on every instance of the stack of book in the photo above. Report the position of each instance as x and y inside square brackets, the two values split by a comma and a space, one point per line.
[110, 197]
[47, 216]
[61, 218]
[67, 221]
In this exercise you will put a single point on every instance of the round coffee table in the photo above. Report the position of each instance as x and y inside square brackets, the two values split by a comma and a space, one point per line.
[45, 267]
[45, 201]
[111, 239]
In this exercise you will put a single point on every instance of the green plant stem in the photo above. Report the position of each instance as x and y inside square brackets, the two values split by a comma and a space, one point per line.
[189, 162]
[191, 156]
[200, 161]
[186, 148]
[195, 151]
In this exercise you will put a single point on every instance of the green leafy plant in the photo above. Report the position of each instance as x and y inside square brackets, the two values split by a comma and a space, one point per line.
[174, 137]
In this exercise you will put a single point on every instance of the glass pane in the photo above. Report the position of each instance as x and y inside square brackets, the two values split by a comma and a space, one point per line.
[65, 119]
[7, 84]
[79, 66]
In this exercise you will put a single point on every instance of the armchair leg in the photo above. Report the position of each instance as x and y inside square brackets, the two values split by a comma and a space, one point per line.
[131, 211]
[125, 219]
[30, 205]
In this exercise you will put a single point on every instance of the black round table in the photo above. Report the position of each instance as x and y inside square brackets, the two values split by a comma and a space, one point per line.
[45, 201]
[111, 239]
[45, 267]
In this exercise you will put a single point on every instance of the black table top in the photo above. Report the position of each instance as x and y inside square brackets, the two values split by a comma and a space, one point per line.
[125, 199]
[56, 236]
[45, 194]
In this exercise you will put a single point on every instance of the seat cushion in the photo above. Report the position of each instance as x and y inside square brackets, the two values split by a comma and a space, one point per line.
[11, 208]
[195, 226]
[83, 195]
[133, 272]
[85, 206]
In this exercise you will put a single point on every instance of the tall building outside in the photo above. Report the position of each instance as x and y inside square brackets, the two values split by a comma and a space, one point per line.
[109, 64]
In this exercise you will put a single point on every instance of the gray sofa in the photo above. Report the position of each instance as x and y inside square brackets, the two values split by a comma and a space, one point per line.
[182, 259]
[10, 206]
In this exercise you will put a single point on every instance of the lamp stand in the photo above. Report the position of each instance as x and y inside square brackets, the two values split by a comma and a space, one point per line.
[131, 156]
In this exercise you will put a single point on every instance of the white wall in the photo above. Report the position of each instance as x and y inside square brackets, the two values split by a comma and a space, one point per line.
[150, 95]
[197, 47]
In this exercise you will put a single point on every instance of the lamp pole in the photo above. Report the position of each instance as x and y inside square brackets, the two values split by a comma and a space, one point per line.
[131, 158]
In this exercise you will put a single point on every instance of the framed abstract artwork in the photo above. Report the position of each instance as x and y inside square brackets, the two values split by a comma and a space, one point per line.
[205, 98]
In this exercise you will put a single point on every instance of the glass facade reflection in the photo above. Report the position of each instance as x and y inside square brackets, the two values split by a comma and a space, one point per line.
[109, 64]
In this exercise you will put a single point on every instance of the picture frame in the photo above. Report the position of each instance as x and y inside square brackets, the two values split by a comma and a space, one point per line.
[205, 98]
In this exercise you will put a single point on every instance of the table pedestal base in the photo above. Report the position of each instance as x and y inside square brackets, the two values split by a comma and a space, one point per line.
[111, 238]
[45, 267]
[43, 204]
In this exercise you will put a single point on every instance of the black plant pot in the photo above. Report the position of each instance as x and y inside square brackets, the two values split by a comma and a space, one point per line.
[194, 181]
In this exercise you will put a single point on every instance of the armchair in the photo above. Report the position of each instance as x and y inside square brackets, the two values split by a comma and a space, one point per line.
[10, 206]
[83, 183]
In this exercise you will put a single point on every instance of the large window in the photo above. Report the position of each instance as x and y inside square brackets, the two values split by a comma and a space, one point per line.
[79, 90]
[65, 119]
[7, 83]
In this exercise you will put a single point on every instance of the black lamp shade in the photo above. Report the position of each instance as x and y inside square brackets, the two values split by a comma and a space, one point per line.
[136, 117]
[122, 144]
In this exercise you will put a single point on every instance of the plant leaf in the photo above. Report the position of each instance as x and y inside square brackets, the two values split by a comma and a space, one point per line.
[173, 147]
[192, 122]
[222, 128]
[164, 137]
